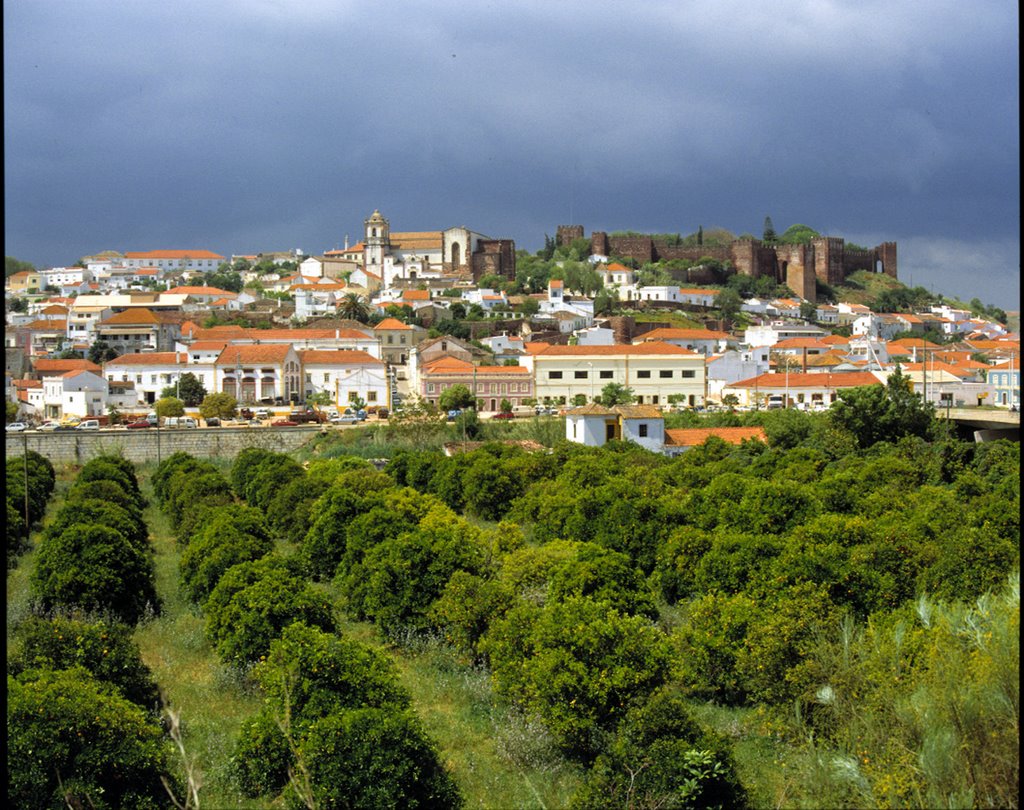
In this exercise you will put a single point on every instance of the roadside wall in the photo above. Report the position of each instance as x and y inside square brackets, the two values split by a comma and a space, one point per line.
[139, 446]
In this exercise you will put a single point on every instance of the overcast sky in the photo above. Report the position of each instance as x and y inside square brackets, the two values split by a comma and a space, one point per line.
[245, 126]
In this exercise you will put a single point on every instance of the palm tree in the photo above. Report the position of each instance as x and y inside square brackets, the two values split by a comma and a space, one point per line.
[354, 307]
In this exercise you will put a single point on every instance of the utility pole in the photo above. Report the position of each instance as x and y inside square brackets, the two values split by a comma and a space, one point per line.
[24, 444]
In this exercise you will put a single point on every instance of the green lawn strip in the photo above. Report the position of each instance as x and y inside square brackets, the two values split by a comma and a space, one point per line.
[477, 735]
[208, 697]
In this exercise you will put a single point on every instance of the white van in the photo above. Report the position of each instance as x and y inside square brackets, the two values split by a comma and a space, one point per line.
[180, 422]
[88, 424]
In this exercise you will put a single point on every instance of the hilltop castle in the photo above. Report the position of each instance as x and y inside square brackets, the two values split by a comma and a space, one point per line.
[797, 266]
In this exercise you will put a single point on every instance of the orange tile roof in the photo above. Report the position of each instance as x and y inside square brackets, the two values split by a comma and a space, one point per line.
[248, 354]
[638, 411]
[54, 309]
[643, 349]
[47, 325]
[149, 359]
[27, 383]
[908, 343]
[337, 357]
[668, 333]
[848, 379]
[391, 323]
[416, 295]
[173, 254]
[697, 291]
[201, 291]
[447, 363]
[836, 340]
[692, 437]
[615, 267]
[409, 240]
[514, 370]
[800, 343]
[556, 282]
[139, 315]
[207, 345]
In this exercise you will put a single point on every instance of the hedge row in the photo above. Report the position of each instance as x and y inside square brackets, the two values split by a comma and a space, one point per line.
[336, 729]
[82, 708]
[30, 482]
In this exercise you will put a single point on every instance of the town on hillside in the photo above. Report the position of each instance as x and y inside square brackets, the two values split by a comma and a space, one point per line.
[603, 330]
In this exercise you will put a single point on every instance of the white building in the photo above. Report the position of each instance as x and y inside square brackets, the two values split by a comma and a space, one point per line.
[347, 376]
[770, 334]
[653, 371]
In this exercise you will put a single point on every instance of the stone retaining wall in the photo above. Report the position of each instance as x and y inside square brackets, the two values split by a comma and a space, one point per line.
[139, 446]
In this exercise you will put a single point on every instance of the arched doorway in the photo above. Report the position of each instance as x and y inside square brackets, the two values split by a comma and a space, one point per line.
[456, 255]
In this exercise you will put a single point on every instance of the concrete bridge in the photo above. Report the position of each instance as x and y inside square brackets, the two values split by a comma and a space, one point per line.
[987, 424]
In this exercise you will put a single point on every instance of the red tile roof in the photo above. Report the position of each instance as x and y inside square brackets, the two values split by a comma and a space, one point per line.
[201, 291]
[149, 359]
[692, 437]
[337, 357]
[848, 379]
[643, 349]
[248, 354]
[173, 254]
[391, 323]
[47, 366]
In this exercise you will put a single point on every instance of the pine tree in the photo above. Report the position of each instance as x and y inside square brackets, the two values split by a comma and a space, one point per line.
[769, 231]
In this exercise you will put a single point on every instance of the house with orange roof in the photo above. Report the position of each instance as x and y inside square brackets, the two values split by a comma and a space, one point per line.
[260, 373]
[679, 440]
[300, 338]
[705, 341]
[203, 261]
[698, 296]
[138, 330]
[201, 294]
[814, 390]
[152, 372]
[490, 384]
[23, 281]
[655, 371]
[64, 277]
[347, 376]
[76, 390]
[397, 339]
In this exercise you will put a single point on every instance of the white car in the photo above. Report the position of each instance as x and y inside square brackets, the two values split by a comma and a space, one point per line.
[49, 425]
[16, 427]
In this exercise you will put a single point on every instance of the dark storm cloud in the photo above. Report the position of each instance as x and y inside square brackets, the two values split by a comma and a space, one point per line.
[269, 125]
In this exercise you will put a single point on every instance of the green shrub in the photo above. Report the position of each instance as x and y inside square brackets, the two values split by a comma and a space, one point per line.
[373, 758]
[94, 569]
[74, 742]
[104, 490]
[106, 468]
[290, 510]
[254, 601]
[106, 649]
[187, 491]
[579, 664]
[231, 535]
[102, 513]
[661, 757]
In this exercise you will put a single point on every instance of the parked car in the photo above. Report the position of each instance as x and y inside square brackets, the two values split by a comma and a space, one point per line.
[142, 423]
[284, 423]
[262, 413]
[213, 421]
[302, 417]
[361, 415]
[504, 415]
[345, 419]
[16, 427]
[180, 422]
[49, 426]
[382, 413]
[454, 414]
[245, 413]
[88, 424]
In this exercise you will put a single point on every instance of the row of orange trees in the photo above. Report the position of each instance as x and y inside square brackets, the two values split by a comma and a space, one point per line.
[336, 729]
[83, 714]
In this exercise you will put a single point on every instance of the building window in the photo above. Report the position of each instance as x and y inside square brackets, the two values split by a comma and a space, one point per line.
[554, 375]
[353, 396]
[606, 375]
[430, 388]
[580, 375]
[642, 429]
[665, 374]
[371, 396]
[327, 378]
[687, 373]
[643, 375]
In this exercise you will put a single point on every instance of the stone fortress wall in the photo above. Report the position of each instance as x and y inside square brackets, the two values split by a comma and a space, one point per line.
[825, 258]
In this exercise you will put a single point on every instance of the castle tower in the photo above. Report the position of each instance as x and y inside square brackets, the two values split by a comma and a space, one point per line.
[377, 238]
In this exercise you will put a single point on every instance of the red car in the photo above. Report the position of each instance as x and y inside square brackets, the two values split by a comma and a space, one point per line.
[504, 416]
[142, 423]
[284, 423]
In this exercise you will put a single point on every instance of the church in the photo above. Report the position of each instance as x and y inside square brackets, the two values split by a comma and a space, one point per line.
[409, 256]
